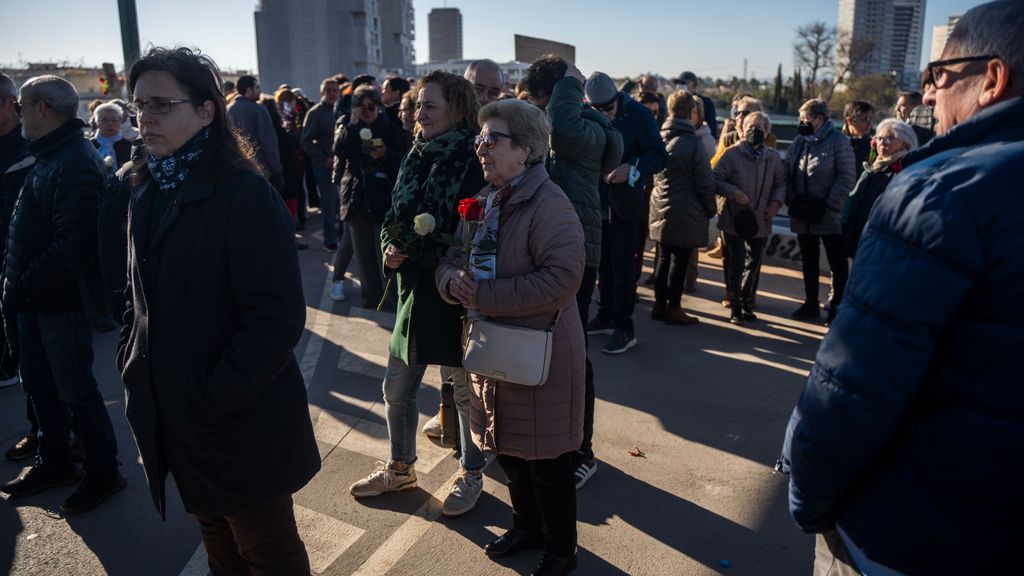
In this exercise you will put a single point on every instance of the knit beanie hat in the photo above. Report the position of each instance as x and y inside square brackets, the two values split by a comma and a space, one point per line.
[600, 89]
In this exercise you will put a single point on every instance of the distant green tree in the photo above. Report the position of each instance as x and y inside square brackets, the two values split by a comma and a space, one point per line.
[777, 105]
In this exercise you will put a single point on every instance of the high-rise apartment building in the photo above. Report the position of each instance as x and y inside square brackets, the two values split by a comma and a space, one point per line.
[300, 42]
[886, 35]
[445, 29]
[940, 34]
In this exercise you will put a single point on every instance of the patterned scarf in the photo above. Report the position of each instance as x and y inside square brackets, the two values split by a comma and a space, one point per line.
[430, 180]
[171, 170]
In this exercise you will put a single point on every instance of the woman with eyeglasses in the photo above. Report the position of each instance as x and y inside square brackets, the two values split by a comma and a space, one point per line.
[893, 140]
[820, 174]
[214, 393]
[439, 171]
[526, 265]
[368, 150]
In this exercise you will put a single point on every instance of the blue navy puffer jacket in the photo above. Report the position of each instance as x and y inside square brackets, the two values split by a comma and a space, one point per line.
[909, 433]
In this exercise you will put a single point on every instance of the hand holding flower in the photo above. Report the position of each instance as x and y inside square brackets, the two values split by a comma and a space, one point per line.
[463, 288]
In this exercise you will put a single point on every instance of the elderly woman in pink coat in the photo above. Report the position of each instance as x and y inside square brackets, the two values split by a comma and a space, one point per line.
[530, 277]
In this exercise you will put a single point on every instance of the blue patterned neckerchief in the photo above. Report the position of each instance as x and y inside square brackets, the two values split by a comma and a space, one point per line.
[171, 170]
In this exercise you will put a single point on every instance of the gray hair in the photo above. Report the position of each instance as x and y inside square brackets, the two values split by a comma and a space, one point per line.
[484, 63]
[106, 107]
[527, 125]
[761, 117]
[7, 87]
[815, 107]
[57, 93]
[993, 28]
[899, 129]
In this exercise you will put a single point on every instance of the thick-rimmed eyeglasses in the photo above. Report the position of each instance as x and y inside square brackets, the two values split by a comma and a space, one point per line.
[936, 71]
[490, 140]
[157, 106]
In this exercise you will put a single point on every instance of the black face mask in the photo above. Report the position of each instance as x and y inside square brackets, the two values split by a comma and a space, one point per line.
[805, 128]
[755, 137]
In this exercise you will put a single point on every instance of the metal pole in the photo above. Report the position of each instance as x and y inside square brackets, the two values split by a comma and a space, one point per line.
[129, 32]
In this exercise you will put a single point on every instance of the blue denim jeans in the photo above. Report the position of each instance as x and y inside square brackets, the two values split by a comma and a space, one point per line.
[56, 371]
[401, 387]
[329, 203]
[472, 457]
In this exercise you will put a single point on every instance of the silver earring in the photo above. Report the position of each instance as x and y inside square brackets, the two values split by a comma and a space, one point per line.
[522, 161]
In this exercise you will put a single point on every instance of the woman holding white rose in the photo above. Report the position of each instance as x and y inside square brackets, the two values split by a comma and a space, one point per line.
[369, 150]
[439, 171]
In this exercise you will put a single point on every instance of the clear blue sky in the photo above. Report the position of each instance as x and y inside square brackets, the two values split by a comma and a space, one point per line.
[622, 38]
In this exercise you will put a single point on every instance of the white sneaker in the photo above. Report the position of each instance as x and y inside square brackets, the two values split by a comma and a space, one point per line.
[584, 472]
[465, 490]
[433, 427]
[384, 479]
[338, 291]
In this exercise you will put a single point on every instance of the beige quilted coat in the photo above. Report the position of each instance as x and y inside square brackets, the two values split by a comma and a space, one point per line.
[540, 262]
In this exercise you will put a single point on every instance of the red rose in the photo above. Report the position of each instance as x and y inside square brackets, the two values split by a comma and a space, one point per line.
[471, 209]
[896, 167]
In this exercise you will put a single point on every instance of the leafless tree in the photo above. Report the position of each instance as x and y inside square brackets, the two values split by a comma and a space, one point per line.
[850, 54]
[813, 49]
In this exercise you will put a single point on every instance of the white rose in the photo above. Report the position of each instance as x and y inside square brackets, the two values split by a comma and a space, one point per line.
[423, 224]
[365, 134]
[108, 161]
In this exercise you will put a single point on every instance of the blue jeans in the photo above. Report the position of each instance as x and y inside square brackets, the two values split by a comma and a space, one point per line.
[472, 458]
[56, 371]
[329, 201]
[401, 386]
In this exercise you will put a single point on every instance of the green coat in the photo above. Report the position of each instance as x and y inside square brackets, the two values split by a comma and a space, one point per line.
[584, 147]
[434, 177]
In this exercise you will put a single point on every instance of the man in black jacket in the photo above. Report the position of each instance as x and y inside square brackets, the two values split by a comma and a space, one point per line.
[15, 162]
[624, 209]
[51, 251]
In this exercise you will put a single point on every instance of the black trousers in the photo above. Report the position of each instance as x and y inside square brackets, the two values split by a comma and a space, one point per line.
[543, 494]
[743, 266]
[260, 541]
[670, 273]
[583, 297]
[618, 272]
[810, 254]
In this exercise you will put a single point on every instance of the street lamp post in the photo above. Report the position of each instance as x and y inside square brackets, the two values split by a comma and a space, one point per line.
[129, 32]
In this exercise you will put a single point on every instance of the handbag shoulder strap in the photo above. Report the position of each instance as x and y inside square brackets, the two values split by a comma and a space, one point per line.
[555, 322]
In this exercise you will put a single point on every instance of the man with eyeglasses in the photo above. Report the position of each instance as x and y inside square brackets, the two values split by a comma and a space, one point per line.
[255, 125]
[905, 444]
[52, 249]
[624, 208]
[858, 125]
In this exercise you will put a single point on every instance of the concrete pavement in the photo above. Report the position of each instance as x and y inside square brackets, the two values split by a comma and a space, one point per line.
[707, 404]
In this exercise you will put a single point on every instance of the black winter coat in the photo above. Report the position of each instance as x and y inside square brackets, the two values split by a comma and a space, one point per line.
[15, 163]
[366, 183]
[214, 392]
[857, 209]
[683, 199]
[51, 261]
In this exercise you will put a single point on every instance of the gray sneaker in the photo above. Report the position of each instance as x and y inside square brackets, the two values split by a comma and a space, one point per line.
[466, 487]
[384, 479]
[433, 427]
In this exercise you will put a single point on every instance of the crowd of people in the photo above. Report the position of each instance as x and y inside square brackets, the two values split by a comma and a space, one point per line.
[463, 201]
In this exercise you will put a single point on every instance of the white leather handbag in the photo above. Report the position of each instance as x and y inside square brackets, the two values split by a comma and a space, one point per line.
[509, 353]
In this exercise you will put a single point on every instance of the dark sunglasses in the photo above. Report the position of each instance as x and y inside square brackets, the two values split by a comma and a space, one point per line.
[490, 140]
[936, 71]
[607, 107]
